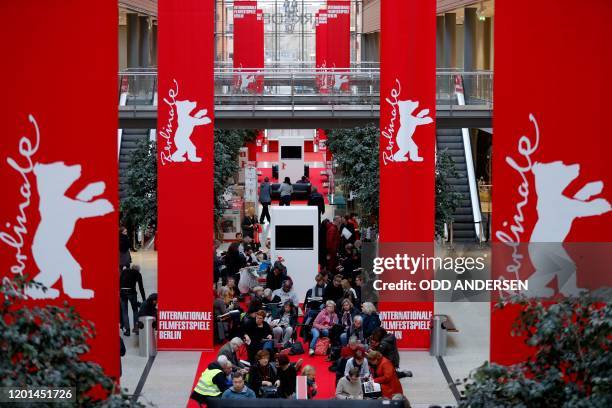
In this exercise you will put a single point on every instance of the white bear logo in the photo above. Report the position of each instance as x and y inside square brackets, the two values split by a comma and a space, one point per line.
[246, 80]
[58, 216]
[340, 80]
[556, 213]
[186, 124]
[408, 125]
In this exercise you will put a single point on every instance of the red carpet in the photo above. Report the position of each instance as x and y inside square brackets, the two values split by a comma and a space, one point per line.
[325, 379]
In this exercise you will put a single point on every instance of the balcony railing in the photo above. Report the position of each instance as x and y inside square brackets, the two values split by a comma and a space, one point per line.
[284, 85]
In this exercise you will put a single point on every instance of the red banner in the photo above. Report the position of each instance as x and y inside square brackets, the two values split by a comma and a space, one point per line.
[59, 222]
[338, 51]
[407, 143]
[185, 173]
[545, 143]
[321, 49]
[248, 45]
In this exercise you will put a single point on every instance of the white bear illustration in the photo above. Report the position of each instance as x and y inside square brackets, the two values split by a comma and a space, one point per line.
[186, 124]
[246, 80]
[556, 213]
[340, 80]
[58, 216]
[408, 125]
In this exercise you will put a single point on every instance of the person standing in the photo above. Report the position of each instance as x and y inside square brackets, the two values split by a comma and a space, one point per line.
[286, 189]
[127, 284]
[316, 200]
[125, 259]
[249, 224]
[265, 198]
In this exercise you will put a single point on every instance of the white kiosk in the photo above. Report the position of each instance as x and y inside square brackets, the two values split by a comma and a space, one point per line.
[291, 158]
[294, 235]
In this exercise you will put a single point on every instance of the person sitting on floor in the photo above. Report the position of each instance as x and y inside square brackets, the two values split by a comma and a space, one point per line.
[384, 374]
[285, 325]
[386, 344]
[349, 386]
[326, 319]
[230, 350]
[286, 293]
[351, 348]
[359, 362]
[371, 320]
[355, 330]
[334, 291]
[269, 297]
[258, 335]
[213, 381]
[345, 319]
[309, 372]
[275, 278]
[238, 390]
[262, 374]
[286, 377]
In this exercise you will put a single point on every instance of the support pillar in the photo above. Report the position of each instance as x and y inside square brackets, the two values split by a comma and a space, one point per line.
[439, 41]
[132, 40]
[154, 45]
[487, 43]
[144, 55]
[450, 38]
[469, 39]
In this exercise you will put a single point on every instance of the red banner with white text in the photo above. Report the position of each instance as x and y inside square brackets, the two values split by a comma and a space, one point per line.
[248, 45]
[185, 173]
[58, 213]
[407, 146]
[321, 50]
[338, 53]
[551, 171]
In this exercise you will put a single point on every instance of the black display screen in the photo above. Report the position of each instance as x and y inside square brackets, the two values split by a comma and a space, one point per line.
[294, 237]
[291, 152]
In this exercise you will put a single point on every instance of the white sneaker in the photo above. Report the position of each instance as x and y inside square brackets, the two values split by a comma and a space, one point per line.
[311, 352]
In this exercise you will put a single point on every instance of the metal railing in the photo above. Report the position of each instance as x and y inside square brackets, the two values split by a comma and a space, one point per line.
[308, 86]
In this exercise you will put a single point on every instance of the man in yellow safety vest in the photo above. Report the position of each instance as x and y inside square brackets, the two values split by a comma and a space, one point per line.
[213, 381]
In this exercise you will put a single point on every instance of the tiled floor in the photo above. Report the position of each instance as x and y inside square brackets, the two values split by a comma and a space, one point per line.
[171, 376]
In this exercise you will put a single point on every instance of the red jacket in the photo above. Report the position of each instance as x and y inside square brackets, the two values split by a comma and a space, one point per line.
[333, 239]
[386, 376]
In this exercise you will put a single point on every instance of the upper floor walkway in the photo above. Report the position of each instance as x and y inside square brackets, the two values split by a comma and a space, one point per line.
[298, 95]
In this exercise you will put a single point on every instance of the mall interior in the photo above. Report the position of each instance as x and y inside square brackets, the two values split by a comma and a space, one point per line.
[290, 119]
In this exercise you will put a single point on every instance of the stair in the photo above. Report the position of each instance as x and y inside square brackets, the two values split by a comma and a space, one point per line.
[451, 140]
[129, 139]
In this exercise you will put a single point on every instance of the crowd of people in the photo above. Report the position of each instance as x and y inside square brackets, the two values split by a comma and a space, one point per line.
[263, 325]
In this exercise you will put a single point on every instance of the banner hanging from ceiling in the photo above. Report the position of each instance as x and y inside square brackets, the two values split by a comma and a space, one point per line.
[407, 153]
[185, 173]
[248, 46]
[338, 53]
[58, 213]
[551, 170]
[321, 50]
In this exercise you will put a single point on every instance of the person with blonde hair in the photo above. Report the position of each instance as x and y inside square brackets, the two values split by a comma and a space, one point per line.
[309, 372]
[325, 320]
[371, 320]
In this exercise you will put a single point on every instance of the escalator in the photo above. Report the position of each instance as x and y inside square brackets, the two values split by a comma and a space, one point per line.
[129, 140]
[464, 229]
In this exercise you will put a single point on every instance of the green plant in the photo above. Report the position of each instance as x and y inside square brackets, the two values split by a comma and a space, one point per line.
[447, 199]
[139, 206]
[227, 147]
[571, 365]
[42, 347]
[355, 152]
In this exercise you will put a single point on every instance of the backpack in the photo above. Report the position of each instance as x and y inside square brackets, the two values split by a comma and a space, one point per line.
[296, 348]
[322, 346]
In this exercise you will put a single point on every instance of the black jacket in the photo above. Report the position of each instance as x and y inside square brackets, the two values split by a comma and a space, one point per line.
[316, 199]
[287, 381]
[388, 348]
[220, 380]
[256, 376]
